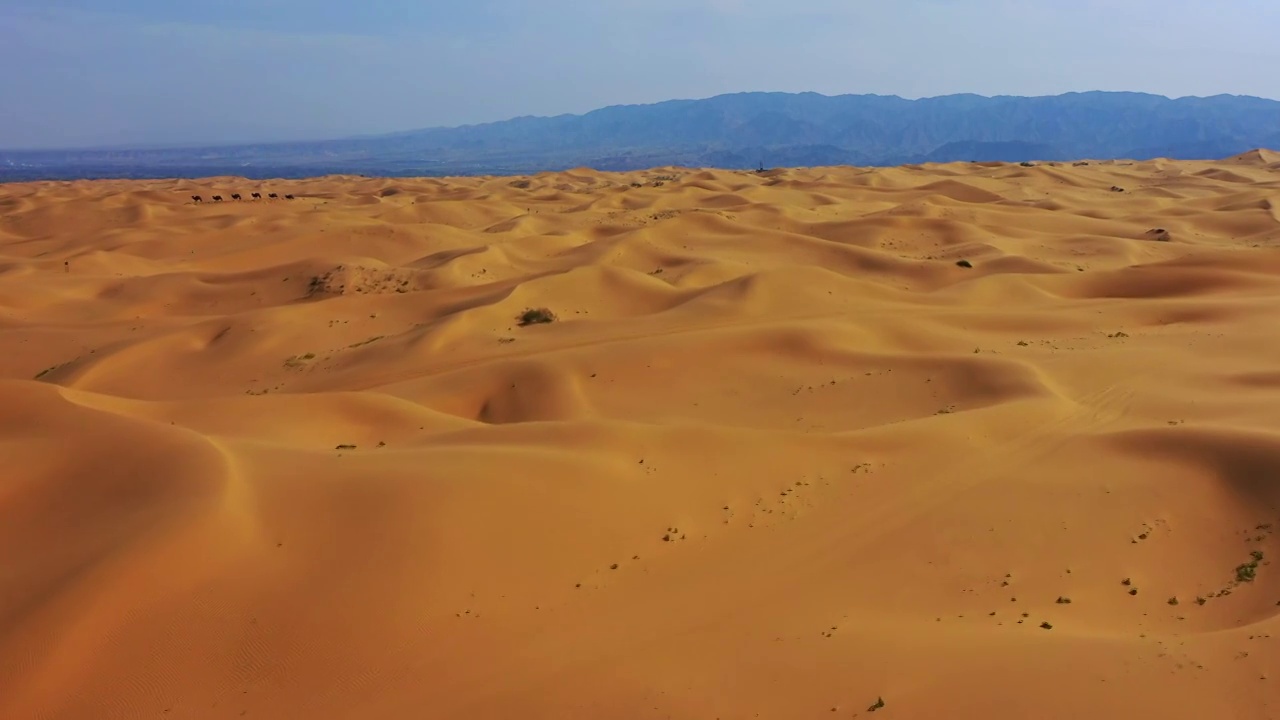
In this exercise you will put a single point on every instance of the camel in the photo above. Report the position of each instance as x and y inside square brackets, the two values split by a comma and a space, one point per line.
[256, 196]
[217, 198]
[236, 196]
[274, 196]
[288, 197]
[196, 198]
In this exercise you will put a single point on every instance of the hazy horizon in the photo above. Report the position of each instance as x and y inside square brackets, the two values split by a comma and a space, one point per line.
[153, 73]
[267, 141]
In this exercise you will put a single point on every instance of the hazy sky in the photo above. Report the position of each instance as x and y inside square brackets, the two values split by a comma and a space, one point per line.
[170, 71]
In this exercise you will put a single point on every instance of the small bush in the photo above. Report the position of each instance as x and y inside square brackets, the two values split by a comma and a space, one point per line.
[536, 316]
[1248, 571]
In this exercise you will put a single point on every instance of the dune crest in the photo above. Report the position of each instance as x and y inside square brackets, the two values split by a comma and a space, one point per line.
[971, 439]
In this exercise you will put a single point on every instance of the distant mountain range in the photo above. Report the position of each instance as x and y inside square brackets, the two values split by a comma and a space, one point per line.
[732, 131]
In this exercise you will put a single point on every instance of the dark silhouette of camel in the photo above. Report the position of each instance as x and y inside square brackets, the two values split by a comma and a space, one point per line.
[217, 198]
[196, 198]
[256, 196]
[274, 196]
[236, 196]
[288, 197]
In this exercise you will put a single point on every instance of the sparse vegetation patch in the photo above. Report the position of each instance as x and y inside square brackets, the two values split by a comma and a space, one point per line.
[51, 369]
[1247, 572]
[298, 361]
[536, 316]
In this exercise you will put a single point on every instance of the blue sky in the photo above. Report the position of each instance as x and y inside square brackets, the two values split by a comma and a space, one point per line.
[101, 72]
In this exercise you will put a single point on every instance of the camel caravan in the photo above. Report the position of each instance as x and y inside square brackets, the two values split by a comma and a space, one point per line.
[237, 196]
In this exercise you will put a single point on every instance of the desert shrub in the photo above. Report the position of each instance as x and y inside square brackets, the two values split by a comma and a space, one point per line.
[536, 316]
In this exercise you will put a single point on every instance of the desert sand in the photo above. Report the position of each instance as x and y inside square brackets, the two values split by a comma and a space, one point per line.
[781, 454]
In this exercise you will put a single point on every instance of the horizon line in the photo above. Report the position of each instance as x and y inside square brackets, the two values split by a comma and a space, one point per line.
[196, 145]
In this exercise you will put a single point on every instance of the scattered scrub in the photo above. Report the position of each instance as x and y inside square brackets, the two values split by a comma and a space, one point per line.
[1248, 571]
[48, 370]
[536, 316]
[299, 360]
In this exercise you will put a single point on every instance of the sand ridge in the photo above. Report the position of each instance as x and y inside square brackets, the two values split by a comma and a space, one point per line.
[978, 440]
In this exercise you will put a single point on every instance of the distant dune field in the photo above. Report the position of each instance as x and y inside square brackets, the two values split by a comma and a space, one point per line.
[946, 441]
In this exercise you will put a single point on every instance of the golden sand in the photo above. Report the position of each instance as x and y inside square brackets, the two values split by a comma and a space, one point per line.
[779, 455]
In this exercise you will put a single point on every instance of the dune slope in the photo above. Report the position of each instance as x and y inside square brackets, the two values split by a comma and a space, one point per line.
[966, 440]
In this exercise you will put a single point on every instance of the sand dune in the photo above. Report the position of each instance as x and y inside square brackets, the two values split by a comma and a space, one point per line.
[978, 440]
